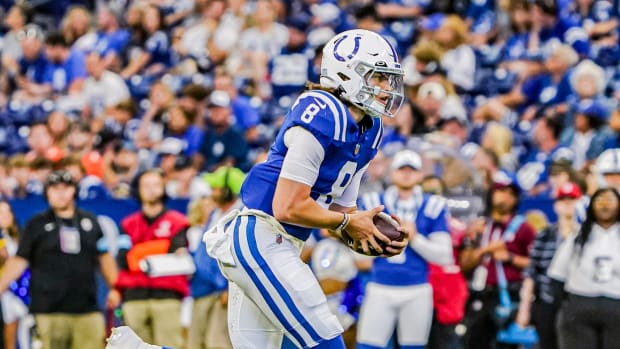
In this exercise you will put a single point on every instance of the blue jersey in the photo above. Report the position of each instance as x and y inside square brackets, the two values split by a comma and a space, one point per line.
[600, 11]
[428, 212]
[112, 42]
[37, 70]
[347, 149]
[289, 71]
[158, 46]
[482, 15]
[565, 31]
[62, 75]
[537, 164]
[542, 90]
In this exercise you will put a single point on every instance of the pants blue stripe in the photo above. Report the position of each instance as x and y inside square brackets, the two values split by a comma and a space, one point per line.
[367, 346]
[259, 285]
[276, 283]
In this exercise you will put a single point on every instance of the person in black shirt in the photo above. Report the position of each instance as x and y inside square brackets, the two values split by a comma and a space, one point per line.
[63, 247]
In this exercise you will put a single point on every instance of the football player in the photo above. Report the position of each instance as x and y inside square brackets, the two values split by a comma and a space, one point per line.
[398, 294]
[310, 180]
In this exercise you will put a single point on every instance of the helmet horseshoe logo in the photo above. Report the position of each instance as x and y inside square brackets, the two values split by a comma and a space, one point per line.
[350, 55]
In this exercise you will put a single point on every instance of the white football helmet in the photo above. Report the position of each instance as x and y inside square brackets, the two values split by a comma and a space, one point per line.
[352, 59]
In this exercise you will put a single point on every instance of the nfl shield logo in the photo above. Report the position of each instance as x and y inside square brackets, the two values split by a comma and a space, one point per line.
[357, 149]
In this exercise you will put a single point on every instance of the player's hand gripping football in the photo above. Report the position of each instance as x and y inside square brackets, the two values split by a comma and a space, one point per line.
[369, 240]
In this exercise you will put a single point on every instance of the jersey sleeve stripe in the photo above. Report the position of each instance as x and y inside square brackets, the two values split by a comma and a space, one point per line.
[379, 135]
[434, 206]
[373, 200]
[342, 116]
[332, 107]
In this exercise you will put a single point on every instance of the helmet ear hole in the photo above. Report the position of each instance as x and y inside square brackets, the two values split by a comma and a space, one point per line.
[343, 77]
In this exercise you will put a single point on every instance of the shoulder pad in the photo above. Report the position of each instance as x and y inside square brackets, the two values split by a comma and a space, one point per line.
[322, 113]
[435, 204]
[370, 200]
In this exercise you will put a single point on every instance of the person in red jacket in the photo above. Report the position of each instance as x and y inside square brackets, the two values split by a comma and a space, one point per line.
[152, 305]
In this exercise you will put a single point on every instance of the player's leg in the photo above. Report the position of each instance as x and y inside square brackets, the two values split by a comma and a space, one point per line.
[377, 317]
[415, 317]
[272, 275]
[247, 324]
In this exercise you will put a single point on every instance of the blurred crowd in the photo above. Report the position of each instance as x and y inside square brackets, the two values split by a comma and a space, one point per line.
[523, 92]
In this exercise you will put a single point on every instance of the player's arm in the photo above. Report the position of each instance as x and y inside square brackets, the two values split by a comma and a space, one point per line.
[347, 202]
[292, 202]
[437, 247]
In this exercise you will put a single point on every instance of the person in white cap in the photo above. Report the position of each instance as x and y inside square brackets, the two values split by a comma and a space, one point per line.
[398, 295]
[607, 166]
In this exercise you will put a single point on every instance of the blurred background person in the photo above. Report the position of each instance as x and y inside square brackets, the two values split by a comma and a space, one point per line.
[152, 305]
[585, 265]
[540, 300]
[502, 236]
[17, 321]
[66, 316]
[403, 279]
[209, 328]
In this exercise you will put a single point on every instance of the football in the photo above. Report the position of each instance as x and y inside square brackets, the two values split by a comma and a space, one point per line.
[386, 225]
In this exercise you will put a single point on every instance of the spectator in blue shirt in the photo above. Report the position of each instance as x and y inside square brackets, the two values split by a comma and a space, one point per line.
[516, 51]
[529, 99]
[550, 29]
[587, 136]
[111, 38]
[244, 108]
[291, 68]
[553, 87]
[68, 67]
[534, 174]
[223, 144]
[155, 56]
[181, 125]
[600, 23]
[31, 73]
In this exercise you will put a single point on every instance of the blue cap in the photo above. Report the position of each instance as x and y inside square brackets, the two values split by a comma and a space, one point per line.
[433, 22]
[593, 109]
[300, 23]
